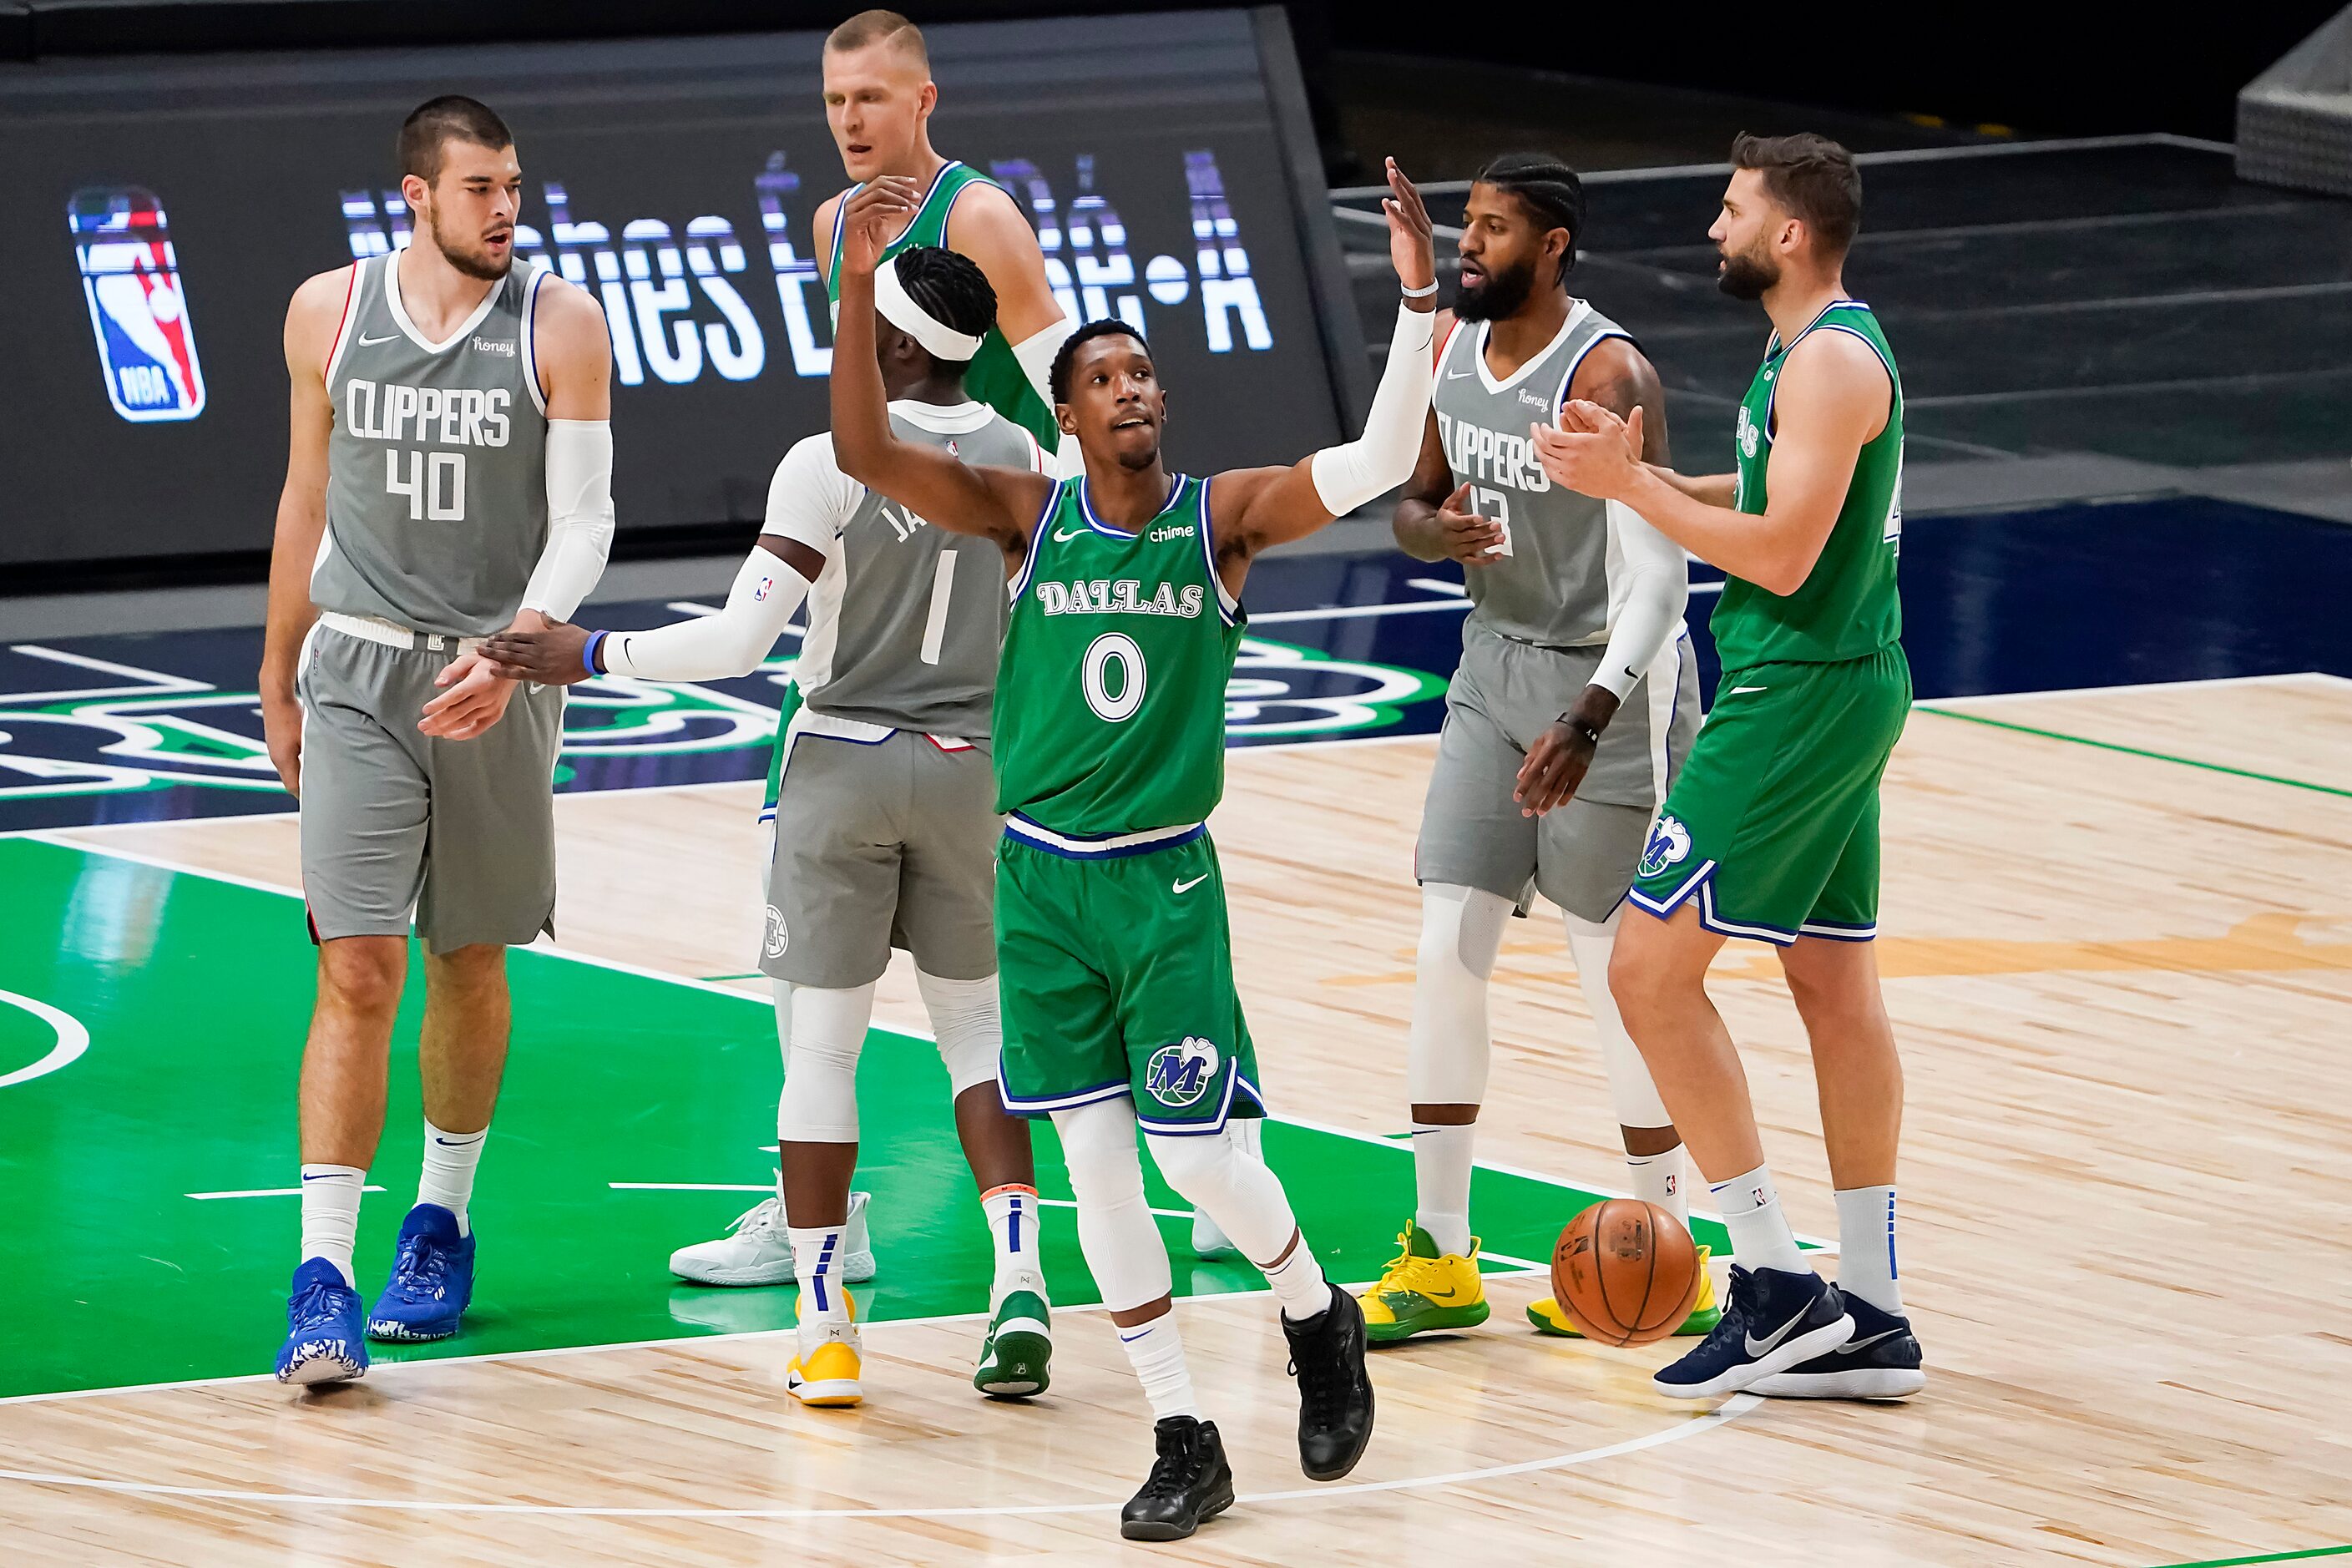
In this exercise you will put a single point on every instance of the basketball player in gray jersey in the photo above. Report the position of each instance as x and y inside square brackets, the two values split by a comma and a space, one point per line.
[1575, 700]
[448, 476]
[885, 818]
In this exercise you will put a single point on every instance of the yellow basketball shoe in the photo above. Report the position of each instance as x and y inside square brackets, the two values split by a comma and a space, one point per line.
[825, 1371]
[1423, 1290]
[1705, 1314]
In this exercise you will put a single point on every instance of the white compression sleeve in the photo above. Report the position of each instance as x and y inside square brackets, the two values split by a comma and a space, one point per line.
[1447, 1047]
[1632, 1092]
[1657, 587]
[1116, 1231]
[1382, 458]
[820, 1097]
[1035, 354]
[579, 517]
[708, 648]
[970, 1028]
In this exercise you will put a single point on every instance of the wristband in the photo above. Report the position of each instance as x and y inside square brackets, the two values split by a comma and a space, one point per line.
[1424, 292]
[1581, 728]
[588, 651]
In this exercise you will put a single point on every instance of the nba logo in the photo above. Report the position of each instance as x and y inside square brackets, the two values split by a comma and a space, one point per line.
[139, 316]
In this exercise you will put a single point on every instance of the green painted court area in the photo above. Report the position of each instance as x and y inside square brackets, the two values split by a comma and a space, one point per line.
[195, 993]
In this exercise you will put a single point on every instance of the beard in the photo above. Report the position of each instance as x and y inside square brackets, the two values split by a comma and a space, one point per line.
[475, 260]
[1500, 296]
[1747, 277]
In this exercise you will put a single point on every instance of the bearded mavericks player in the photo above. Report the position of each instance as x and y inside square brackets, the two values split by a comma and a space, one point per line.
[886, 835]
[1112, 943]
[1771, 832]
[1575, 701]
[449, 476]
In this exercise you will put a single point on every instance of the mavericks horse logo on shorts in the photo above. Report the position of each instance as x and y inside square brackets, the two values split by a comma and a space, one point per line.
[1180, 1074]
[1670, 843]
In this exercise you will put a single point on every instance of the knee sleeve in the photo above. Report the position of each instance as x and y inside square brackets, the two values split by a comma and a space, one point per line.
[782, 992]
[1446, 1043]
[819, 1104]
[1632, 1092]
[1116, 1230]
[1234, 1188]
[970, 1030]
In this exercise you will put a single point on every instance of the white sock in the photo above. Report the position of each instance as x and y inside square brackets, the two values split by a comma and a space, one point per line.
[1867, 1246]
[1441, 1181]
[1760, 1236]
[1298, 1283]
[331, 1215]
[1011, 1212]
[447, 1178]
[1157, 1352]
[1658, 1179]
[817, 1259]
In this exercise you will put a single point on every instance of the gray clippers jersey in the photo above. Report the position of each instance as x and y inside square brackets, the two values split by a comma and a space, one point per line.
[906, 619]
[1551, 585]
[436, 470]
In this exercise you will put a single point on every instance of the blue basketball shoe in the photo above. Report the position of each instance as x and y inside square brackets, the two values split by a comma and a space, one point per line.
[432, 1278]
[1777, 1318]
[324, 1341]
[1881, 1361]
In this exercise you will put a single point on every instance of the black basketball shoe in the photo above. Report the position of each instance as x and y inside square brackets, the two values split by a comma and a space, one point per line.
[1190, 1483]
[1335, 1392]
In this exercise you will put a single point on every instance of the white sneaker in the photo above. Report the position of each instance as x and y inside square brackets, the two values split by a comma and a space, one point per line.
[1208, 1241]
[757, 1252]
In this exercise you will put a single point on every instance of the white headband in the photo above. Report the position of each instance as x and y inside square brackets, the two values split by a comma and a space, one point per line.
[898, 309]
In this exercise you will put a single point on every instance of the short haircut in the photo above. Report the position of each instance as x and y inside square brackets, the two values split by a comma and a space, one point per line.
[1057, 381]
[951, 289]
[1550, 190]
[1814, 180]
[878, 27]
[437, 121]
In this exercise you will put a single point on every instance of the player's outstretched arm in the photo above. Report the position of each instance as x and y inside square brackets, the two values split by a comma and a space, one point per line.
[1257, 508]
[1833, 396]
[312, 319]
[986, 225]
[996, 503]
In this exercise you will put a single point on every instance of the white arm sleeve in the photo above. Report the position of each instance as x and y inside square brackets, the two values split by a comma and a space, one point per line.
[713, 648]
[1382, 458]
[1036, 356]
[579, 517]
[1657, 587]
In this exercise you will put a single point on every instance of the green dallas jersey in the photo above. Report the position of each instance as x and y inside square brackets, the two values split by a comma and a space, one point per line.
[1847, 607]
[995, 377]
[1110, 696]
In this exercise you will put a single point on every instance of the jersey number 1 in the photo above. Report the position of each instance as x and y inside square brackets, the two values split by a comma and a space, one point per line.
[435, 484]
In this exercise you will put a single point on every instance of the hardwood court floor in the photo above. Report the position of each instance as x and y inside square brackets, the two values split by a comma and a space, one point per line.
[2120, 950]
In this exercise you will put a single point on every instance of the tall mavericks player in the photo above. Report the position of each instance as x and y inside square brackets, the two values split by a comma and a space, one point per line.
[449, 476]
[885, 833]
[1575, 700]
[1112, 940]
[1771, 830]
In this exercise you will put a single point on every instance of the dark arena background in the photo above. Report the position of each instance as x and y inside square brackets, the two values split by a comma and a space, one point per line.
[2113, 253]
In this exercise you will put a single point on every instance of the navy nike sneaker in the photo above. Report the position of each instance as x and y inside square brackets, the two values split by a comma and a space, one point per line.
[1881, 1361]
[324, 1341]
[1777, 1318]
[432, 1278]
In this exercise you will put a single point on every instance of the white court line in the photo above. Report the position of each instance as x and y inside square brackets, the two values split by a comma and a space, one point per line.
[1731, 1410]
[2216, 681]
[265, 1192]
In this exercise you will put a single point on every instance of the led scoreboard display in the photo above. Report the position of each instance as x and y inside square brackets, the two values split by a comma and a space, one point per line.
[156, 218]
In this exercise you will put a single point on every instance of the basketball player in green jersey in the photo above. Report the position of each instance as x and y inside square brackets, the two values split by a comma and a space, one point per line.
[1113, 953]
[1772, 829]
[879, 98]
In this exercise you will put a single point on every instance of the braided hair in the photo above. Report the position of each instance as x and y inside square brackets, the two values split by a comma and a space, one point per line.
[951, 289]
[1551, 191]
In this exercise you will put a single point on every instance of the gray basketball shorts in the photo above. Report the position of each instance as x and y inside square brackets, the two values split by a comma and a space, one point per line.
[462, 832]
[882, 845]
[1582, 855]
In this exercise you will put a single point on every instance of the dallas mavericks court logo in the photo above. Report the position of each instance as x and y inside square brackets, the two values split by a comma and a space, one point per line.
[1669, 845]
[131, 280]
[1180, 1074]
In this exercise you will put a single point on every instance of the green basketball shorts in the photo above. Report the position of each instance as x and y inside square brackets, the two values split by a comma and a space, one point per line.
[1116, 967]
[1772, 824]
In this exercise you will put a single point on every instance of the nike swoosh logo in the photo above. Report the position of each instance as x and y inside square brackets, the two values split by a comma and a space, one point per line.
[1457, 376]
[1757, 1347]
[1737, 689]
[1441, 1295]
[1188, 886]
[1852, 1347]
[1062, 536]
[371, 342]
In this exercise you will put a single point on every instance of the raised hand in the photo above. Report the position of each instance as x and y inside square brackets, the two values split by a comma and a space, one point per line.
[1593, 452]
[866, 220]
[551, 657]
[1412, 236]
[1469, 538]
